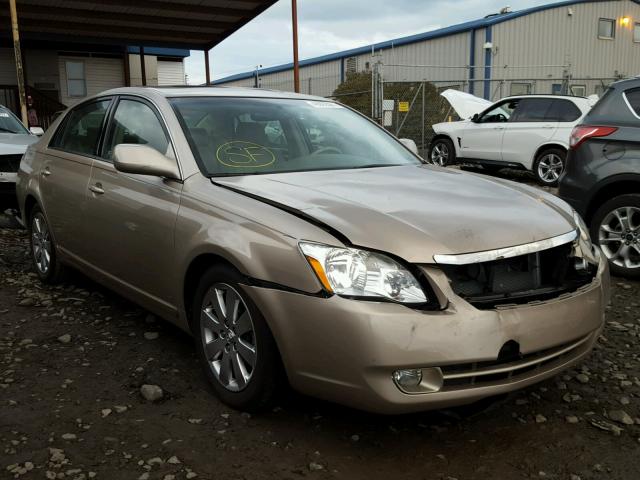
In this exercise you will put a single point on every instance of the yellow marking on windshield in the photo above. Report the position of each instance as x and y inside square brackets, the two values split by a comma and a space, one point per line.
[239, 154]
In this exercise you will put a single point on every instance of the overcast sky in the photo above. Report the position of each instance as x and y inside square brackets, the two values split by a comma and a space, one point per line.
[327, 26]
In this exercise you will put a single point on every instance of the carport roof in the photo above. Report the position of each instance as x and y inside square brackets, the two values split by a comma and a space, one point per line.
[192, 24]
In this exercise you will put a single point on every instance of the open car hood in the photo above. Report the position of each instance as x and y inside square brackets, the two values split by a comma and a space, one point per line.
[465, 104]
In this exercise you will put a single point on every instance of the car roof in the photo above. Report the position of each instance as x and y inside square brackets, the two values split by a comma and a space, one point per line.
[212, 91]
[544, 95]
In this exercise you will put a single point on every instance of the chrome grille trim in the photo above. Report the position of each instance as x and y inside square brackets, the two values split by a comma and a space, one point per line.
[513, 367]
[507, 252]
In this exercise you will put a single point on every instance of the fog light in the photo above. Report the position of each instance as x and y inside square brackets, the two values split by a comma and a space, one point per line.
[408, 379]
[419, 380]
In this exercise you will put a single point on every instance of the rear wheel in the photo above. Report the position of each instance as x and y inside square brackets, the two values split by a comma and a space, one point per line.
[43, 248]
[234, 343]
[442, 152]
[549, 165]
[616, 228]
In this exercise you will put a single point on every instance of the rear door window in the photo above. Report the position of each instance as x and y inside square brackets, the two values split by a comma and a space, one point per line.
[563, 111]
[633, 99]
[532, 110]
[80, 132]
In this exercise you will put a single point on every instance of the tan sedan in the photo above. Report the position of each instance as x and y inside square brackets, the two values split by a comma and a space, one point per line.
[301, 243]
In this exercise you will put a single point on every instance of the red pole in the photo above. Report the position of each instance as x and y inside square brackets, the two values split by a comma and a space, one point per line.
[296, 67]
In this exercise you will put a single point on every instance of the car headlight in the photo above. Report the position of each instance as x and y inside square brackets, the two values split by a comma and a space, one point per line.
[584, 247]
[352, 272]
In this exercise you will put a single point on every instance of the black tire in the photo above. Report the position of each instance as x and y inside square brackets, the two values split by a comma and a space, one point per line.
[54, 271]
[601, 216]
[266, 376]
[549, 165]
[442, 152]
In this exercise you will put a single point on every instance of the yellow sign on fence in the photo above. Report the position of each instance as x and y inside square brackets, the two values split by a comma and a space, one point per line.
[403, 106]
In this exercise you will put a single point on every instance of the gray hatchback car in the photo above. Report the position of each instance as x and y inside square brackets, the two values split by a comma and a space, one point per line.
[300, 242]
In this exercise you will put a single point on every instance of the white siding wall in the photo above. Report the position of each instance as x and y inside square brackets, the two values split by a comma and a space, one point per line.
[170, 73]
[548, 37]
[553, 37]
[101, 74]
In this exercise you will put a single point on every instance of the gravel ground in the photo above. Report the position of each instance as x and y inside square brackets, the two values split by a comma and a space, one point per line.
[91, 386]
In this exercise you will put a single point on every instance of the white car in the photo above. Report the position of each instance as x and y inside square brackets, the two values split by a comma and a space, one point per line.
[14, 140]
[526, 132]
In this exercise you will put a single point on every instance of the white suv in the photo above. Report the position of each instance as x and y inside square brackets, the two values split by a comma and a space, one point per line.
[530, 132]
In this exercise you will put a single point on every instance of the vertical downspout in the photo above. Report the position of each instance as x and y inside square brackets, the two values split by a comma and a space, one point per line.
[487, 63]
[472, 62]
[342, 70]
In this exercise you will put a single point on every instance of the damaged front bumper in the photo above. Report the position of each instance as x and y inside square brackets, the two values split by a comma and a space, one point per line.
[347, 351]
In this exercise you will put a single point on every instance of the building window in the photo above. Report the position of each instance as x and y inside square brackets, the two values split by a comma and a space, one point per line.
[636, 33]
[352, 65]
[520, 89]
[76, 81]
[579, 90]
[556, 89]
[606, 28]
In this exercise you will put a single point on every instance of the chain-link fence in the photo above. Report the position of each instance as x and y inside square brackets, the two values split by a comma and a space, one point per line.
[406, 99]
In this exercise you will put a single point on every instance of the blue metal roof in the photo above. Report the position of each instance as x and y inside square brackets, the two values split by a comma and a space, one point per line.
[419, 37]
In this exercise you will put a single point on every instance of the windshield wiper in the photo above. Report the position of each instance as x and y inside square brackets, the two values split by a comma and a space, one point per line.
[7, 130]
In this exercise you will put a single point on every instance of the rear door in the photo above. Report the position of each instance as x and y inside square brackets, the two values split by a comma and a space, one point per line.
[528, 128]
[482, 139]
[65, 174]
[131, 218]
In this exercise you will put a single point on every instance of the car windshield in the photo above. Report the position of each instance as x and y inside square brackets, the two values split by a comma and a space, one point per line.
[243, 136]
[9, 123]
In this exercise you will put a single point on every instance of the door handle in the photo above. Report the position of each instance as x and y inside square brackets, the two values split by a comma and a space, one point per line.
[498, 128]
[46, 172]
[548, 126]
[97, 189]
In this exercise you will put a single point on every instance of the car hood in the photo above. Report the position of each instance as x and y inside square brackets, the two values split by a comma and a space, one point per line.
[415, 212]
[465, 104]
[15, 143]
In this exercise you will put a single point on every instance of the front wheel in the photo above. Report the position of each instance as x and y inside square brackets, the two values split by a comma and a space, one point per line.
[234, 343]
[549, 165]
[442, 152]
[616, 228]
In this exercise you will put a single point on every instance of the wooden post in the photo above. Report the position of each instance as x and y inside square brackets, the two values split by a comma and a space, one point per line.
[296, 66]
[18, 56]
[207, 74]
[143, 70]
[127, 68]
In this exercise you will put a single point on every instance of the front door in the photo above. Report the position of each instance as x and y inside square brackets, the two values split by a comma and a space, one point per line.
[65, 174]
[482, 139]
[132, 217]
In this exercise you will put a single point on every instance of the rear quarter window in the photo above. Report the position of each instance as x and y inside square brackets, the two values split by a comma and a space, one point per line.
[563, 111]
[633, 99]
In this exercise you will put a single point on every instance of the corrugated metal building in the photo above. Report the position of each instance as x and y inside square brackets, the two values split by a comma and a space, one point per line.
[577, 46]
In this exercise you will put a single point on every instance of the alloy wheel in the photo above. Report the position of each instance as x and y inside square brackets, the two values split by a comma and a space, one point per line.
[41, 243]
[619, 237]
[440, 154]
[550, 168]
[228, 337]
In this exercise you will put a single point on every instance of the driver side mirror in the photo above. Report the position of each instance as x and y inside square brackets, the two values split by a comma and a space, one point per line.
[144, 160]
[38, 131]
[475, 118]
